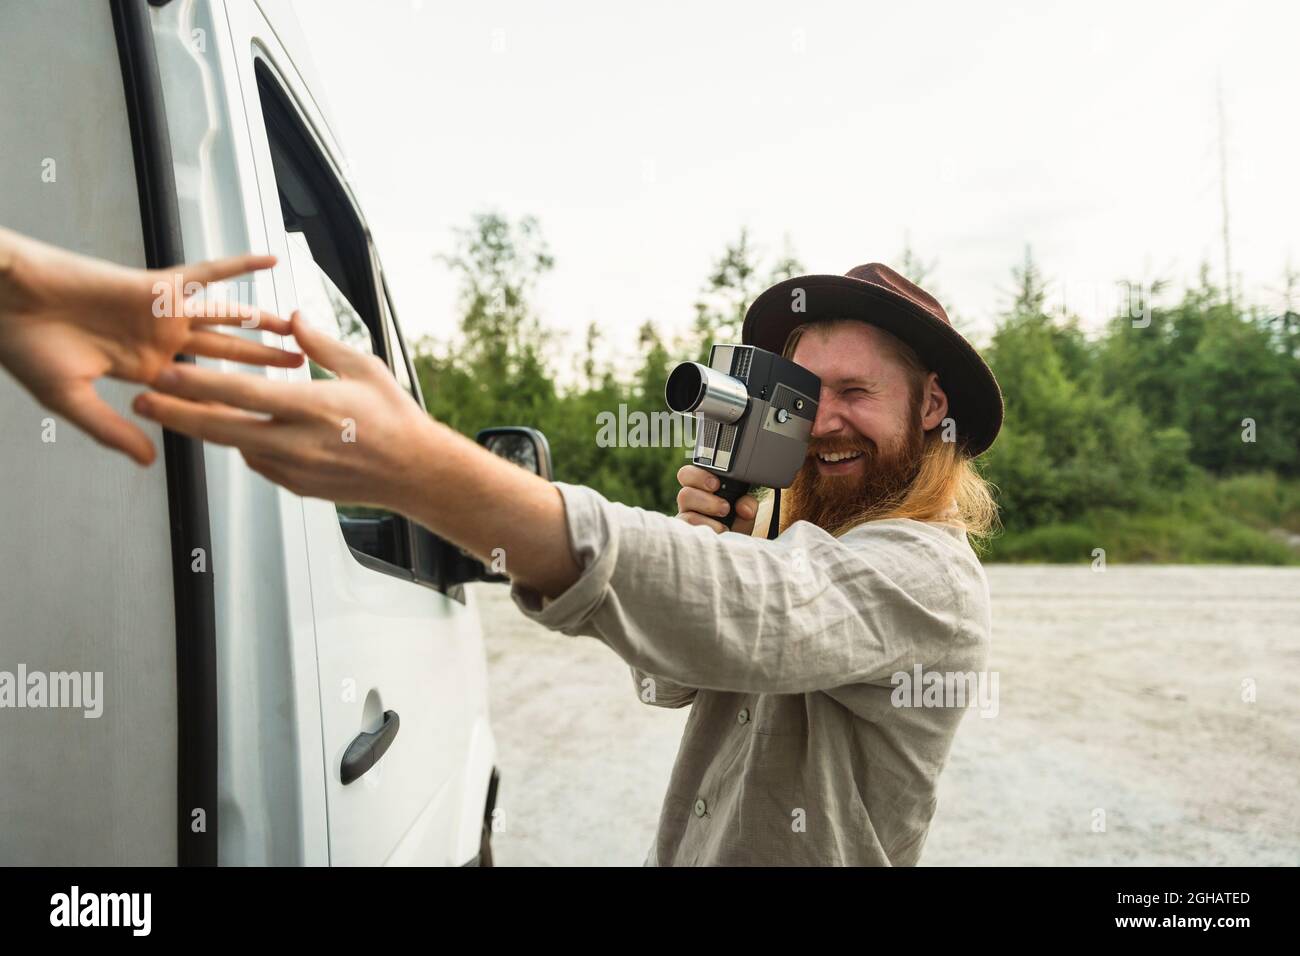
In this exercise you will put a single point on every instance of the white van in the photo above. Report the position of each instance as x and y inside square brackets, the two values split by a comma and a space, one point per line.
[278, 681]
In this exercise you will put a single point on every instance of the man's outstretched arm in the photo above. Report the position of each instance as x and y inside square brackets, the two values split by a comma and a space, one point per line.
[726, 612]
[394, 455]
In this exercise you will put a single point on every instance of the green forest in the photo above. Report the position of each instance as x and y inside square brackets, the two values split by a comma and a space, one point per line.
[1171, 435]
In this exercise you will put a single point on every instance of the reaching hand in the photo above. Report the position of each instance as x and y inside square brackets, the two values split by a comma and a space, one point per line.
[346, 439]
[67, 319]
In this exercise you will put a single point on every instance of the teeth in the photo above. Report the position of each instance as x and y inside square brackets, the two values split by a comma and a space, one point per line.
[839, 456]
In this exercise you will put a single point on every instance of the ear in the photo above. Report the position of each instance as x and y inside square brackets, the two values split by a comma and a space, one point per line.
[934, 403]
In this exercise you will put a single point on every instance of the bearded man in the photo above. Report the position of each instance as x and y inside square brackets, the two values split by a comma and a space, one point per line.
[788, 648]
[810, 760]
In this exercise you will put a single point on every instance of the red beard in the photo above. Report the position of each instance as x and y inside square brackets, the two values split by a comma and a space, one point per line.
[834, 501]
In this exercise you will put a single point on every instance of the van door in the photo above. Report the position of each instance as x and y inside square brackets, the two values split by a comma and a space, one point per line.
[395, 706]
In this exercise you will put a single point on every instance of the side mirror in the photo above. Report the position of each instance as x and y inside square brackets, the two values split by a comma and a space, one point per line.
[527, 448]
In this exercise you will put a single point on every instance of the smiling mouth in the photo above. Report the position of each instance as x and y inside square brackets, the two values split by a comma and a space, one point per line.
[835, 457]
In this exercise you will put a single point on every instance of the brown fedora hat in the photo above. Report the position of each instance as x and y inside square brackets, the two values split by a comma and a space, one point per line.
[876, 294]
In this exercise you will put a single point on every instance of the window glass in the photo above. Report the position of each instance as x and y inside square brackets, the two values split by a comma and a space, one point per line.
[371, 531]
[399, 356]
[396, 346]
[329, 256]
[323, 304]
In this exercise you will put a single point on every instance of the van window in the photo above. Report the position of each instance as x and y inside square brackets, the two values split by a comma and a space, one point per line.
[330, 258]
[372, 531]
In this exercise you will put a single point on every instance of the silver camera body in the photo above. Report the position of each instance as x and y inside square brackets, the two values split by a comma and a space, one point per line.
[754, 411]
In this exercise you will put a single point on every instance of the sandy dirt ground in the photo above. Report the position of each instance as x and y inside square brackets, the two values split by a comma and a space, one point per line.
[1120, 701]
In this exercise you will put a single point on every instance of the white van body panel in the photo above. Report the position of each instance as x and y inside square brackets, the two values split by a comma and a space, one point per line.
[312, 645]
[85, 554]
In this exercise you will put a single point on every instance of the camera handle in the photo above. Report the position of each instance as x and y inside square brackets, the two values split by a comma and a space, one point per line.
[731, 490]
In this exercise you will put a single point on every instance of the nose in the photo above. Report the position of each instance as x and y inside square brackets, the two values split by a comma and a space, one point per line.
[828, 420]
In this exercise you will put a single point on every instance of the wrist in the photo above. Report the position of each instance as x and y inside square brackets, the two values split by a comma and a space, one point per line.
[419, 469]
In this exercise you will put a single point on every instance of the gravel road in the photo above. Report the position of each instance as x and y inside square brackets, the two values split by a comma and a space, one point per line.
[1121, 703]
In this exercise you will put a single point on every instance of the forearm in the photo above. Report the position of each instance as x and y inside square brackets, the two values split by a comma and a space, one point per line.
[731, 612]
[481, 502]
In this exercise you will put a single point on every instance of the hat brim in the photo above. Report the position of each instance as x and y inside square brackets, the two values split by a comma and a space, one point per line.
[974, 398]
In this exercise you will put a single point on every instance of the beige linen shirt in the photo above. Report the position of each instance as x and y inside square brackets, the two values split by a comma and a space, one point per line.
[795, 751]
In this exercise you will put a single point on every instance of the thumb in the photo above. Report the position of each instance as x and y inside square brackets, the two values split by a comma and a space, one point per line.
[746, 508]
[325, 351]
[82, 406]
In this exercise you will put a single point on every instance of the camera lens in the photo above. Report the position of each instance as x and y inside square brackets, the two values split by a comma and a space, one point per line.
[696, 389]
[685, 387]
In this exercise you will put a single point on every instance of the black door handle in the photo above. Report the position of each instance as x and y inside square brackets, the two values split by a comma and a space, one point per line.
[364, 752]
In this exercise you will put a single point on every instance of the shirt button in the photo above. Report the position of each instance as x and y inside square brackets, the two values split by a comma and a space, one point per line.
[743, 716]
[700, 807]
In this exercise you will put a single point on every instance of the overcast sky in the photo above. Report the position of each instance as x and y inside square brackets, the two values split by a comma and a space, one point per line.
[643, 136]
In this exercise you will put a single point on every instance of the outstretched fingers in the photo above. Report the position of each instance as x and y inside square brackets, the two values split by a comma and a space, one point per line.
[247, 392]
[219, 424]
[81, 405]
[203, 311]
[219, 345]
[327, 352]
[214, 270]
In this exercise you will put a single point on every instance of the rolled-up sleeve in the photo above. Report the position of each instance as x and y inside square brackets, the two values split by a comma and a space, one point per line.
[807, 611]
